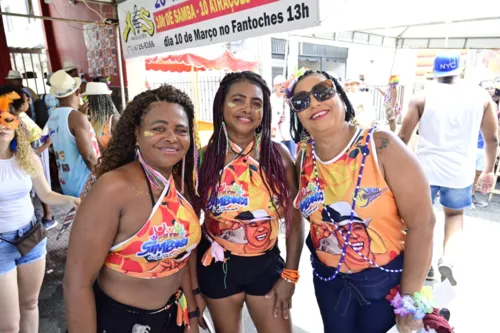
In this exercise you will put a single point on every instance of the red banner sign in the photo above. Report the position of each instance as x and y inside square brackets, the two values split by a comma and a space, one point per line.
[196, 11]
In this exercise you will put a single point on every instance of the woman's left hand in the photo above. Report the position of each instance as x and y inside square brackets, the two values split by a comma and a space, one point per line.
[408, 324]
[193, 323]
[283, 292]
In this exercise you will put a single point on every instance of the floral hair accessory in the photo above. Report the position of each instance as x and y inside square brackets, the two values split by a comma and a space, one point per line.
[394, 80]
[6, 100]
[288, 86]
[9, 121]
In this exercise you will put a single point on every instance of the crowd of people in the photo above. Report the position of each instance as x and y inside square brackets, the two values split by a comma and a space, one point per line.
[168, 229]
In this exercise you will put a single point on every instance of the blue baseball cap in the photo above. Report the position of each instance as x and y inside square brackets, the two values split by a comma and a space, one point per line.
[447, 65]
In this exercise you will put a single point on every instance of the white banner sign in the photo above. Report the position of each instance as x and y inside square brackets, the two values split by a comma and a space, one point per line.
[151, 27]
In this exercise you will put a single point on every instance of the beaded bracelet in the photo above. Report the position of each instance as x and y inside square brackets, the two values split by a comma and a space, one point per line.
[417, 305]
[290, 275]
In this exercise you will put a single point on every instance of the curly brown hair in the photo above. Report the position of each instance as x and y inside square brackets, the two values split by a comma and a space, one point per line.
[24, 153]
[121, 149]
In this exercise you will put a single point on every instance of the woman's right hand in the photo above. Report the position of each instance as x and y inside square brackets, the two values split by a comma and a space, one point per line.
[201, 304]
[74, 202]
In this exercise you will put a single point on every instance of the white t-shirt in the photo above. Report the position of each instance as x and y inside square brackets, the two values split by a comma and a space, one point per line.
[448, 133]
[16, 207]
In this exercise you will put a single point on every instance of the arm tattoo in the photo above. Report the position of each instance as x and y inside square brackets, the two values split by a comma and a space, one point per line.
[383, 143]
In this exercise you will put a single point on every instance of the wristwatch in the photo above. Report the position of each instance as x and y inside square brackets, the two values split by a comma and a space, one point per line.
[196, 291]
[194, 314]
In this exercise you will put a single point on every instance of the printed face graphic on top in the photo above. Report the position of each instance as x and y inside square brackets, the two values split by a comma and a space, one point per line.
[331, 236]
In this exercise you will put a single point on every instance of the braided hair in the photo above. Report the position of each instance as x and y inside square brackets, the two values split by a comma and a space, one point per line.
[297, 130]
[101, 108]
[271, 163]
[121, 149]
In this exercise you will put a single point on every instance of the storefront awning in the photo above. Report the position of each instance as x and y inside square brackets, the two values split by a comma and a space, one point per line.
[191, 62]
[424, 24]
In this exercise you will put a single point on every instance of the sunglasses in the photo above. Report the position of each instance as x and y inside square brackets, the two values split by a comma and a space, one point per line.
[321, 92]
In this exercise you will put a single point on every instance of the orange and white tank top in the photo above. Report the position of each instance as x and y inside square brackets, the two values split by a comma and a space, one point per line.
[244, 217]
[163, 245]
[377, 232]
[106, 133]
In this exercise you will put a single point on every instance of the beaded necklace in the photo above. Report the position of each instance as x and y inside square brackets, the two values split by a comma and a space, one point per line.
[353, 207]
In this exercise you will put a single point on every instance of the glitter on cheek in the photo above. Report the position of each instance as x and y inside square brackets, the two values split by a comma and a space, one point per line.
[148, 133]
[231, 104]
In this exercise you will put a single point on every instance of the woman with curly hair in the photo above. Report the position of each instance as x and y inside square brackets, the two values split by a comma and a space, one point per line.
[247, 183]
[39, 143]
[134, 233]
[21, 274]
[369, 206]
[102, 112]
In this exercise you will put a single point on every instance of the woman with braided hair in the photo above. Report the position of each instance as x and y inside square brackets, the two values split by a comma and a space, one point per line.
[247, 183]
[102, 112]
[369, 207]
[133, 235]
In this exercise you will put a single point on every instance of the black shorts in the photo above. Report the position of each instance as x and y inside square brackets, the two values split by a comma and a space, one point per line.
[254, 276]
[114, 317]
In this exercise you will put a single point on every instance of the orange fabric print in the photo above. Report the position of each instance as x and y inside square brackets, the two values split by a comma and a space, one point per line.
[244, 217]
[377, 230]
[9, 121]
[162, 246]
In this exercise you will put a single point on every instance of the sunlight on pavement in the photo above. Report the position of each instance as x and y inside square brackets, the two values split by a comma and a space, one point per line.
[474, 309]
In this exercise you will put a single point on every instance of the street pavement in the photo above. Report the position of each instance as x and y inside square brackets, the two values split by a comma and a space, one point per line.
[473, 309]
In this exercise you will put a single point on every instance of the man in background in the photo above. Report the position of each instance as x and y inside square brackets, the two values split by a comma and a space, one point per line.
[450, 115]
[73, 138]
[72, 70]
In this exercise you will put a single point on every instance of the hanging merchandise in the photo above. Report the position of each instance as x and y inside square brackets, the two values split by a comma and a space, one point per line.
[100, 42]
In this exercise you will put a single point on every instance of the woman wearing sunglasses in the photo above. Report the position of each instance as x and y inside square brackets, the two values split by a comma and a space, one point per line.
[247, 183]
[369, 207]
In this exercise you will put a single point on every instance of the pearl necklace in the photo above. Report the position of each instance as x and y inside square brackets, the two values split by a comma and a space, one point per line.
[353, 207]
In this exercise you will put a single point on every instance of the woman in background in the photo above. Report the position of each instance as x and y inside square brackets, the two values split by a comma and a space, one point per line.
[101, 111]
[39, 142]
[391, 102]
[21, 275]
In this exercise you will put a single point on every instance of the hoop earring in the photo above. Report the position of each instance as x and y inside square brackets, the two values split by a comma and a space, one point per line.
[258, 141]
[137, 151]
[305, 139]
[183, 173]
[197, 160]
[13, 145]
[223, 130]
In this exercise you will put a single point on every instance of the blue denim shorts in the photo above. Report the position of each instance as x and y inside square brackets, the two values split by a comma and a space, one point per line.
[453, 198]
[10, 257]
